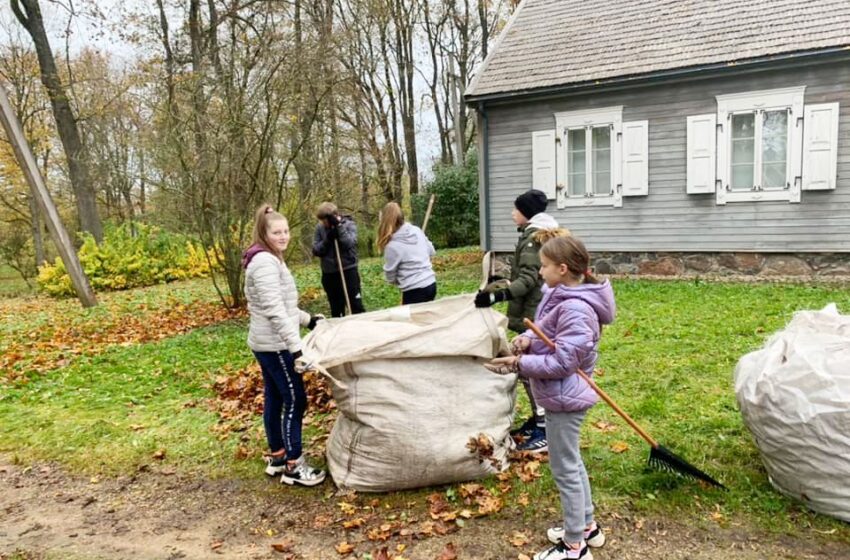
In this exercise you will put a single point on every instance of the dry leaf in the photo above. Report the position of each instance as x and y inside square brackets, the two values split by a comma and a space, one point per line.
[347, 508]
[518, 539]
[344, 548]
[283, 546]
[449, 553]
[522, 556]
[604, 426]
[159, 455]
[354, 523]
[216, 545]
[619, 446]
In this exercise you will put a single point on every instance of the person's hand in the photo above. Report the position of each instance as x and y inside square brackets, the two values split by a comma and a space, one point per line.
[503, 365]
[520, 345]
[485, 299]
[333, 221]
[313, 320]
[333, 233]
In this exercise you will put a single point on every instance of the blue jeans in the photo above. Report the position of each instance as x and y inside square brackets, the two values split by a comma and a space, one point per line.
[285, 402]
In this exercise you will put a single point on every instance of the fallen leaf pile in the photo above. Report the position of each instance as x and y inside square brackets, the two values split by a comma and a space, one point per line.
[454, 260]
[239, 397]
[67, 333]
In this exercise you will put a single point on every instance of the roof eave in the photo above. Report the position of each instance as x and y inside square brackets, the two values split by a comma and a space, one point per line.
[674, 74]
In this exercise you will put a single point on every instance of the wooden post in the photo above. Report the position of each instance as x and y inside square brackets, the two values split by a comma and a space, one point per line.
[45, 202]
[428, 212]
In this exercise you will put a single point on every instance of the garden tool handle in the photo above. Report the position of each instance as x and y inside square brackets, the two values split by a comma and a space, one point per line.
[530, 324]
[342, 276]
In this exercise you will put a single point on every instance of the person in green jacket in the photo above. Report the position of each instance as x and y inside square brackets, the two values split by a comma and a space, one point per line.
[523, 294]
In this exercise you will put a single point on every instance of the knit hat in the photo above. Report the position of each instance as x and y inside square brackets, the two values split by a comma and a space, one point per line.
[531, 202]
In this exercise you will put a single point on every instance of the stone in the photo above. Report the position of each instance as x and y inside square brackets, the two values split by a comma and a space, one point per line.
[786, 265]
[664, 266]
[602, 266]
[746, 263]
[700, 263]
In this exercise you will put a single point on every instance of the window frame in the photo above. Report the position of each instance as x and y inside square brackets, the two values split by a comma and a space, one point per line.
[758, 102]
[587, 120]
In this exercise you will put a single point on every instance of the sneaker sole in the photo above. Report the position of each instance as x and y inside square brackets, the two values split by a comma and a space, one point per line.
[544, 449]
[297, 481]
[587, 556]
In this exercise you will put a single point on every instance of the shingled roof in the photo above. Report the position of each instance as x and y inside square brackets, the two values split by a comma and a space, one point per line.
[549, 43]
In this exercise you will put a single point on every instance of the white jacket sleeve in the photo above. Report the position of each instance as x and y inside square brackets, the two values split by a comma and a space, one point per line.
[270, 295]
[392, 259]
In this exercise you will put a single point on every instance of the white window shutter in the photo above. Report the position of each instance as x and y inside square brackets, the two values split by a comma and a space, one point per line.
[702, 142]
[820, 146]
[636, 158]
[543, 157]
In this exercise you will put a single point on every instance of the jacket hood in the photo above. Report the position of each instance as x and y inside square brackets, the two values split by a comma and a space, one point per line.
[406, 234]
[599, 296]
[250, 253]
[542, 221]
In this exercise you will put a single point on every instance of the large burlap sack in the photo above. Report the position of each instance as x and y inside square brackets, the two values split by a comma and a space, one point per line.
[794, 395]
[411, 392]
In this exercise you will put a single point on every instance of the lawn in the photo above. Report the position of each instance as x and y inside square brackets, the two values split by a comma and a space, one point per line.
[130, 384]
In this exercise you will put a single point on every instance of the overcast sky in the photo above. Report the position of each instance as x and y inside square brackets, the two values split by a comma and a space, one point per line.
[83, 29]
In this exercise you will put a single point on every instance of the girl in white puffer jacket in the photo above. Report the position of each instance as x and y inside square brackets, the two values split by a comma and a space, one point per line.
[274, 337]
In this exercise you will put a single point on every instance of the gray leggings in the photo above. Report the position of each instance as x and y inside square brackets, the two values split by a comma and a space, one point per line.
[562, 433]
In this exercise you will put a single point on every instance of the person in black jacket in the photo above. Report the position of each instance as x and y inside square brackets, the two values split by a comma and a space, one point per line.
[332, 231]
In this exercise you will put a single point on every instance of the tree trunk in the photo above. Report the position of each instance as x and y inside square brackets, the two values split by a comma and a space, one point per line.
[66, 124]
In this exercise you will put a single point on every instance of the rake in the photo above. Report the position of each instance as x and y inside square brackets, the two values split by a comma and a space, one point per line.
[660, 457]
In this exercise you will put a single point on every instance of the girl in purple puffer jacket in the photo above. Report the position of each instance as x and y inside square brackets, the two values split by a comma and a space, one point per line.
[574, 307]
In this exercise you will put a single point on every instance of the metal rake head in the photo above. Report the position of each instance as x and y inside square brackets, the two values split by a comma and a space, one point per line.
[663, 459]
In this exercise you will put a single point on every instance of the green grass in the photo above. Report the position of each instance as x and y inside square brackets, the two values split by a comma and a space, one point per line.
[668, 360]
[12, 285]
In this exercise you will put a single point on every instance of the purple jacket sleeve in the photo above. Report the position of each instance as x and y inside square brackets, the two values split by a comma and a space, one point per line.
[575, 338]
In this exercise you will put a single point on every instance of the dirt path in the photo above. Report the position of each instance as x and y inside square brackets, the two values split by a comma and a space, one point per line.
[47, 514]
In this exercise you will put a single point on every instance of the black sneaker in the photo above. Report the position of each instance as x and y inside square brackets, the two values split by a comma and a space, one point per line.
[302, 474]
[526, 429]
[275, 465]
[536, 443]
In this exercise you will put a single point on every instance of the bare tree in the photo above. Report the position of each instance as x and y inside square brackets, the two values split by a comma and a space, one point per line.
[29, 15]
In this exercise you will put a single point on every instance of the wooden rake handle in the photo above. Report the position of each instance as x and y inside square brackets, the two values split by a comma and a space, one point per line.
[641, 432]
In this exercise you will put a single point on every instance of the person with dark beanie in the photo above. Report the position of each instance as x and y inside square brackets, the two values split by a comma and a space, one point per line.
[535, 227]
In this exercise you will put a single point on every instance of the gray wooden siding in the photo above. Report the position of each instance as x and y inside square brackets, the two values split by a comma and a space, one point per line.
[669, 219]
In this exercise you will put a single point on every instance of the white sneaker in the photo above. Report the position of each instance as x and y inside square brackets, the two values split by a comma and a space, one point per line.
[562, 551]
[275, 465]
[593, 536]
[302, 474]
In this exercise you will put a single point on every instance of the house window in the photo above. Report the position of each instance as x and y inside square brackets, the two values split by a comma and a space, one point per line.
[759, 145]
[594, 164]
[759, 150]
[589, 150]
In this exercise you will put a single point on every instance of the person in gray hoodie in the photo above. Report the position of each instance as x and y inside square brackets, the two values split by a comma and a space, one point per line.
[407, 256]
